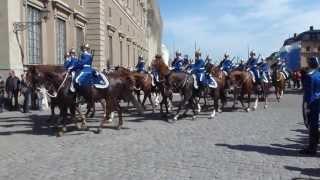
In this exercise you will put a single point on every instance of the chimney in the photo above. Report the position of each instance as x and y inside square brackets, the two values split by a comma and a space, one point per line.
[311, 28]
[295, 35]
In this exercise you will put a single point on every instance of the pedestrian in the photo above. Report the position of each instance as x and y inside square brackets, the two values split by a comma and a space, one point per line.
[311, 88]
[26, 92]
[2, 89]
[12, 90]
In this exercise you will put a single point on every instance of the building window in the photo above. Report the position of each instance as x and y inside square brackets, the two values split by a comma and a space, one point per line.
[81, 2]
[110, 61]
[34, 37]
[308, 48]
[60, 40]
[121, 53]
[134, 55]
[110, 12]
[80, 38]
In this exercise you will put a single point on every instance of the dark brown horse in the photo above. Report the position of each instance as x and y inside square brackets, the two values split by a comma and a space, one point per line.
[143, 82]
[241, 83]
[120, 87]
[221, 79]
[175, 82]
[54, 80]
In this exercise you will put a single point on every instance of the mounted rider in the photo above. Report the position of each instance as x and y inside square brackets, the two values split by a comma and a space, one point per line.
[198, 69]
[186, 61]
[178, 62]
[88, 76]
[72, 65]
[264, 69]
[226, 64]
[155, 73]
[241, 65]
[252, 67]
[140, 67]
[282, 67]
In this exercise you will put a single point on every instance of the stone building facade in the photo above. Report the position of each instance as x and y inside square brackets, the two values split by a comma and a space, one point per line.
[307, 42]
[41, 31]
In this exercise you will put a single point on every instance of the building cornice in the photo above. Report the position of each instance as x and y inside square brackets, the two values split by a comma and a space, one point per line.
[80, 16]
[63, 6]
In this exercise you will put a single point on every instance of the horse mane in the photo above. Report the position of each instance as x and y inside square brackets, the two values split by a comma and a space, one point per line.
[46, 68]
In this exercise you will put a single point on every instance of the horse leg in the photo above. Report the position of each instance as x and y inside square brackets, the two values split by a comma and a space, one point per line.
[120, 123]
[215, 95]
[249, 102]
[182, 103]
[256, 102]
[156, 100]
[145, 96]
[151, 102]
[235, 97]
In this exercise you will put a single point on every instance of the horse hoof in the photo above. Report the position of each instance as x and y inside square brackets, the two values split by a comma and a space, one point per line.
[248, 109]
[118, 127]
[219, 110]
[98, 131]
[194, 118]
[60, 133]
[109, 121]
[64, 129]
[176, 118]
[265, 106]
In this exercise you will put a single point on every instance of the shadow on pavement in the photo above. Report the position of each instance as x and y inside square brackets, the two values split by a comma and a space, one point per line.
[315, 172]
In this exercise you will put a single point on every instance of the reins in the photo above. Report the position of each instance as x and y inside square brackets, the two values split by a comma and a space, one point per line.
[61, 85]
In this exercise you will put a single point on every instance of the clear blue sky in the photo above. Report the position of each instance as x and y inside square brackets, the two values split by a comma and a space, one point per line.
[232, 25]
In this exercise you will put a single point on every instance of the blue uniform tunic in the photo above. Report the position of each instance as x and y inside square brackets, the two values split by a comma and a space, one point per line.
[86, 73]
[177, 64]
[226, 65]
[198, 68]
[311, 87]
[72, 64]
[140, 67]
[252, 65]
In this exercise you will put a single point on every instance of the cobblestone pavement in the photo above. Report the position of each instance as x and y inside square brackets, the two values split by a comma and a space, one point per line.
[235, 145]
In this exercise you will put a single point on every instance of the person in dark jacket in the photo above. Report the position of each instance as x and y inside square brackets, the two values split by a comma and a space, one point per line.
[12, 90]
[311, 88]
[26, 92]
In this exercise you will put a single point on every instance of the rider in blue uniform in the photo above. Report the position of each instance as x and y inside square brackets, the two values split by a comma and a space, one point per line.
[186, 60]
[226, 64]
[72, 66]
[198, 68]
[264, 69]
[86, 73]
[252, 66]
[140, 67]
[281, 65]
[241, 65]
[177, 63]
[311, 87]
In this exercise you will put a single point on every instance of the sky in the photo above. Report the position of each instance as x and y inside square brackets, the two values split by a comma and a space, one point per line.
[219, 26]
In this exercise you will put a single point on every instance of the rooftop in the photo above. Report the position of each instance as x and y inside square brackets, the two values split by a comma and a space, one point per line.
[310, 35]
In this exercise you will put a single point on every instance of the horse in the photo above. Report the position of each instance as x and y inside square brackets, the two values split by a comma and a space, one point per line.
[221, 79]
[175, 82]
[241, 83]
[55, 81]
[279, 82]
[143, 82]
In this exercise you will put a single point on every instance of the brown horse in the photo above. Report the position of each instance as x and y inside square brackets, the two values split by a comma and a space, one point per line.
[52, 78]
[241, 83]
[221, 79]
[175, 82]
[143, 82]
[279, 82]
[120, 87]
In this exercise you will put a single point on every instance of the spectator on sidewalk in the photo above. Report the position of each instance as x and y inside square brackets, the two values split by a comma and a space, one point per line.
[311, 88]
[12, 90]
